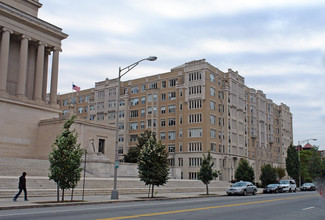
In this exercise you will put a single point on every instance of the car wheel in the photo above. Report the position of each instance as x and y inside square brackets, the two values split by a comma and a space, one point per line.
[276, 191]
[244, 193]
[254, 192]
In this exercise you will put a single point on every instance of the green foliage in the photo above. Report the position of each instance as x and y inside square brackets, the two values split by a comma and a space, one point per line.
[280, 172]
[134, 152]
[153, 163]
[268, 175]
[293, 163]
[206, 173]
[311, 165]
[244, 171]
[65, 158]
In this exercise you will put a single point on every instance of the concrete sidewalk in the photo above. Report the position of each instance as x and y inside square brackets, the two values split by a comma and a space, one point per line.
[34, 202]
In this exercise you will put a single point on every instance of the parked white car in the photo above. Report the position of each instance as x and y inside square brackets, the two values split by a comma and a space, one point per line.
[288, 185]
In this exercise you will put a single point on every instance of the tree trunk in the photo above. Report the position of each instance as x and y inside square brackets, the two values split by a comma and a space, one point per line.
[58, 192]
[207, 187]
[72, 194]
[63, 195]
[152, 188]
[149, 191]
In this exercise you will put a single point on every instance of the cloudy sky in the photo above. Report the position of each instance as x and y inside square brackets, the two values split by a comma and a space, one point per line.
[278, 45]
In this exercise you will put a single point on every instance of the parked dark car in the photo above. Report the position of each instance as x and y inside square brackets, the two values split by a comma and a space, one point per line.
[242, 188]
[308, 187]
[272, 188]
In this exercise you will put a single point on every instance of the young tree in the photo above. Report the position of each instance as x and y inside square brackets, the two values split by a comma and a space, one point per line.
[244, 171]
[293, 163]
[134, 152]
[153, 164]
[65, 159]
[206, 173]
[268, 175]
[280, 172]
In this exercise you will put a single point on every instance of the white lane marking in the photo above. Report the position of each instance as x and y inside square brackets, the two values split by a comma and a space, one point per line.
[308, 208]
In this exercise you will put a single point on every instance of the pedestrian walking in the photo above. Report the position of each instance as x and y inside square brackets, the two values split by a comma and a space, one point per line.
[21, 187]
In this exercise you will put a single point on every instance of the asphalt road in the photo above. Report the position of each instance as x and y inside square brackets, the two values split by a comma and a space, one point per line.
[300, 205]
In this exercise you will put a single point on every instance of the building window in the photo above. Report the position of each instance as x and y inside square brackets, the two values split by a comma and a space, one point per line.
[111, 92]
[194, 90]
[212, 91]
[101, 146]
[213, 119]
[195, 146]
[121, 138]
[81, 99]
[171, 122]
[135, 90]
[192, 175]
[80, 110]
[180, 133]
[121, 114]
[194, 132]
[149, 97]
[155, 97]
[213, 147]
[111, 115]
[122, 102]
[195, 104]
[213, 133]
[142, 125]
[171, 148]
[171, 162]
[92, 117]
[143, 87]
[180, 162]
[101, 94]
[163, 97]
[133, 138]
[212, 77]
[152, 85]
[100, 116]
[154, 110]
[212, 105]
[120, 150]
[65, 102]
[162, 135]
[171, 95]
[195, 76]
[134, 101]
[195, 118]
[195, 161]
[86, 108]
[133, 125]
[171, 108]
[162, 123]
[134, 114]
[163, 109]
[180, 106]
[149, 123]
[87, 98]
[172, 82]
[143, 112]
[171, 135]
[163, 84]
[149, 110]
[143, 100]
[121, 126]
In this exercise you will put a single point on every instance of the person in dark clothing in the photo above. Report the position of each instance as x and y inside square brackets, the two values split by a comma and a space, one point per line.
[21, 187]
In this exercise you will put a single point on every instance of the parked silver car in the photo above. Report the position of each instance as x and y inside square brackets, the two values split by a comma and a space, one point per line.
[242, 188]
[288, 185]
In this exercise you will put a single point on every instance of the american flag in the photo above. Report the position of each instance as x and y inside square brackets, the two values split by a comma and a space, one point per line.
[74, 87]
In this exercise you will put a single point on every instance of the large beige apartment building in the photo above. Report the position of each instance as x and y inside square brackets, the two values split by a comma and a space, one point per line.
[193, 109]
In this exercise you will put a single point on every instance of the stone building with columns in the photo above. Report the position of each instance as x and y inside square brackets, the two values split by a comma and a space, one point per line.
[29, 59]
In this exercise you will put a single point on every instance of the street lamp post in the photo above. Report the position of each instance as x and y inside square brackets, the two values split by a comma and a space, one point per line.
[299, 147]
[121, 72]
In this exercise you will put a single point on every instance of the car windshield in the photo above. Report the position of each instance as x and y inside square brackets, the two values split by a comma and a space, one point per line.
[272, 185]
[239, 184]
[307, 184]
[284, 182]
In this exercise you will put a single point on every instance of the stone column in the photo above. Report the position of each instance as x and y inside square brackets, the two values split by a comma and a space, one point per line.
[54, 76]
[45, 73]
[4, 58]
[22, 66]
[39, 72]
